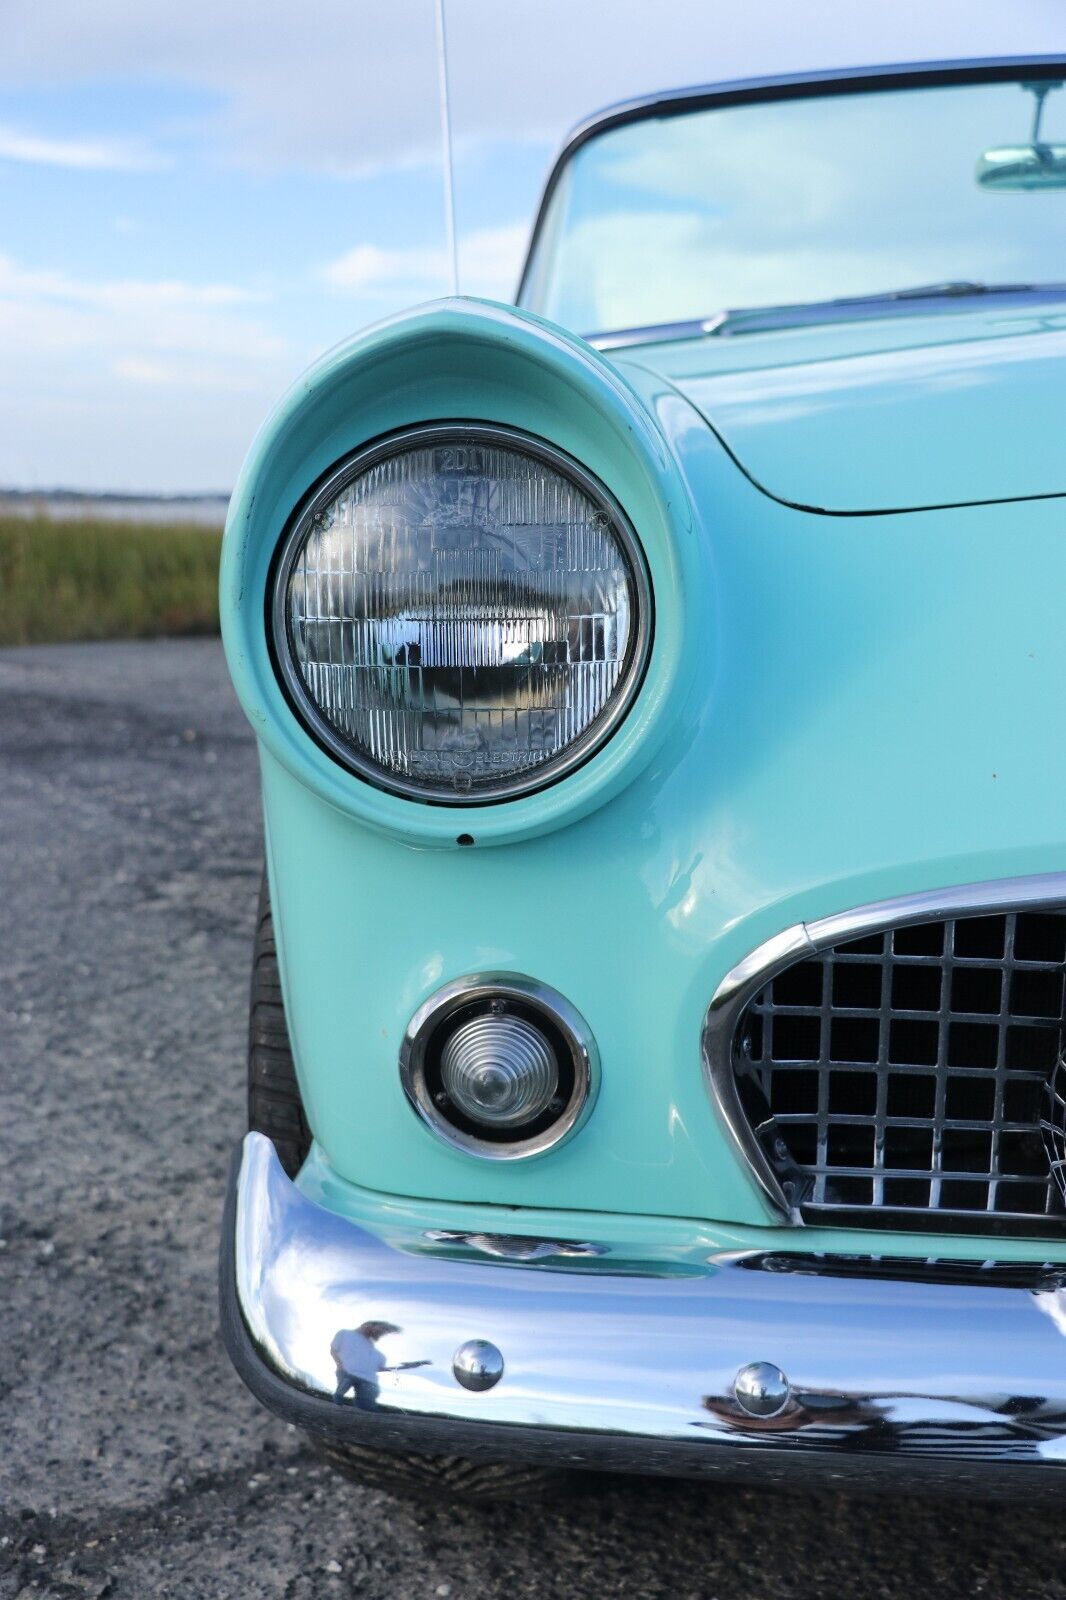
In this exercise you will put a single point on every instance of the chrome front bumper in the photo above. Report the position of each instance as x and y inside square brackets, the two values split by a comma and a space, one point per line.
[898, 1373]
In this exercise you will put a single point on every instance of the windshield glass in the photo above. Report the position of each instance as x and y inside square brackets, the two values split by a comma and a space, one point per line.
[675, 218]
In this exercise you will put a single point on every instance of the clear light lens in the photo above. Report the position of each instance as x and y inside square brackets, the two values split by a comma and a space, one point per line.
[459, 615]
[499, 1070]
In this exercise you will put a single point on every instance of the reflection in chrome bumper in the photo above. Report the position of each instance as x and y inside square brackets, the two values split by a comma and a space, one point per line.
[629, 1360]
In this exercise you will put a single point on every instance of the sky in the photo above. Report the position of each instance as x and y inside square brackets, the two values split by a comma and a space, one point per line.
[198, 197]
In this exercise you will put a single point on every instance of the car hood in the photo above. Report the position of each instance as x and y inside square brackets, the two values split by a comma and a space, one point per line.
[900, 413]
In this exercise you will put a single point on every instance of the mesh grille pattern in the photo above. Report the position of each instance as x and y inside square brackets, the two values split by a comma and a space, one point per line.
[915, 1071]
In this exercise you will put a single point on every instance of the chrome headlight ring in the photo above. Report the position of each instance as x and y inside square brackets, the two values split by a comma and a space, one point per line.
[371, 687]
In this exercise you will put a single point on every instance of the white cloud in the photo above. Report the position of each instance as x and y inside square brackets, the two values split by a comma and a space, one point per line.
[325, 86]
[123, 370]
[106, 376]
[135, 369]
[489, 263]
[367, 266]
[129, 296]
[347, 87]
[88, 155]
[196, 375]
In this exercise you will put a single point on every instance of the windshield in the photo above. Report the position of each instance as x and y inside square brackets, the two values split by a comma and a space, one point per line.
[679, 217]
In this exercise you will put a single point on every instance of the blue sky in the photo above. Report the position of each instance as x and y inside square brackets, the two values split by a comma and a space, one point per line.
[197, 199]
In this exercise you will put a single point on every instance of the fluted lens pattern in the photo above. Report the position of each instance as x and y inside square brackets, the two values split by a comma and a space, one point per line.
[460, 614]
[499, 1070]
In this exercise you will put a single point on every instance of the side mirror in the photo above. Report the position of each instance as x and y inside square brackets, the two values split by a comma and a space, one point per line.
[1014, 168]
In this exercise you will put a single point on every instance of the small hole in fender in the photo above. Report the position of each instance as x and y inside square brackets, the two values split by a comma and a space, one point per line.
[465, 838]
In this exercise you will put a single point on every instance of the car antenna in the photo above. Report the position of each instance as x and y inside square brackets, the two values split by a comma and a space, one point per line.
[446, 138]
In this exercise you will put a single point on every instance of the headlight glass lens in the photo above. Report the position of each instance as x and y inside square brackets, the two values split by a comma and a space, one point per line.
[461, 615]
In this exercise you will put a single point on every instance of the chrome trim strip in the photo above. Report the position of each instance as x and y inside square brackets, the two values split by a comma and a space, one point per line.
[573, 755]
[785, 86]
[969, 900]
[730, 324]
[744, 981]
[652, 333]
[565, 1018]
[629, 1359]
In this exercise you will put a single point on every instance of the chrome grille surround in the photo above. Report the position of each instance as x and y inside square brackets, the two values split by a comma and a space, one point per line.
[902, 1064]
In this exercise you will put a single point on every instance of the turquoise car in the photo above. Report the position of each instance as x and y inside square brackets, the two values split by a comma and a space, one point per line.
[657, 1010]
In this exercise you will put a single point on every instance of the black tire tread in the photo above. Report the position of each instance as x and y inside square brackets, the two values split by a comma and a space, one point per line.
[483, 1481]
[274, 1104]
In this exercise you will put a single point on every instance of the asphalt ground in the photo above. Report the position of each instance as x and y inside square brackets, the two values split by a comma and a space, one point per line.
[133, 1464]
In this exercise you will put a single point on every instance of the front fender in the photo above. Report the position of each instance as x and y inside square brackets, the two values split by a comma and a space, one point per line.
[837, 711]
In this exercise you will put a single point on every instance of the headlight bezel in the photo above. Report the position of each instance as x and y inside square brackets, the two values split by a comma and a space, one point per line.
[282, 650]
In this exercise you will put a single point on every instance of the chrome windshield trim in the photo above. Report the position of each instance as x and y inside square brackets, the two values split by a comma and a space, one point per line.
[735, 324]
[744, 981]
[784, 86]
[653, 333]
[639, 1359]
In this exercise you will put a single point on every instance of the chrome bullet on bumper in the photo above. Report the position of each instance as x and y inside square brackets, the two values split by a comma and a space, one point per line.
[778, 1367]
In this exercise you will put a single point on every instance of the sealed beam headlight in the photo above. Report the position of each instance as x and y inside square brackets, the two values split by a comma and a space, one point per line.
[461, 614]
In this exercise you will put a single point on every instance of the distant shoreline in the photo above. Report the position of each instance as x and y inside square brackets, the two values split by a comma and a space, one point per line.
[66, 505]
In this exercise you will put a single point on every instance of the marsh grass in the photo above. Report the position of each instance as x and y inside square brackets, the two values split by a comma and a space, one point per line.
[65, 580]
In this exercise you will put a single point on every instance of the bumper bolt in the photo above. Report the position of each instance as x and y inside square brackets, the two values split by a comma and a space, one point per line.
[762, 1390]
[477, 1365]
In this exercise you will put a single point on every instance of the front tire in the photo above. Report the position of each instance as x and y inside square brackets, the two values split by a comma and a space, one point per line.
[274, 1104]
[428, 1476]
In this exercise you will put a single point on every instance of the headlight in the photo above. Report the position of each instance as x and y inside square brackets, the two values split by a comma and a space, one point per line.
[461, 614]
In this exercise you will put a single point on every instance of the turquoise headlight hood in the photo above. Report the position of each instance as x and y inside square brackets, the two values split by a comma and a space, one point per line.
[467, 361]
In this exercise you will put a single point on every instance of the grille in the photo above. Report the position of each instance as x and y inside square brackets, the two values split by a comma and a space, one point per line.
[916, 1072]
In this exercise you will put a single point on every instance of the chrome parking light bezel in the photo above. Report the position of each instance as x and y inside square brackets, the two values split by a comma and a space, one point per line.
[565, 1020]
